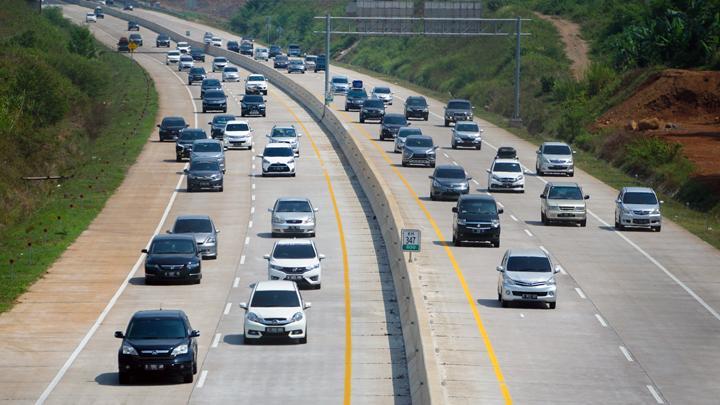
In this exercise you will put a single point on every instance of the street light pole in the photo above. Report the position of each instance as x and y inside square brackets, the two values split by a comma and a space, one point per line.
[327, 58]
[516, 121]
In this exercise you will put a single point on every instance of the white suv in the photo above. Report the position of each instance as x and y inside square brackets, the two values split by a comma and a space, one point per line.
[238, 134]
[506, 174]
[186, 62]
[527, 275]
[183, 47]
[90, 17]
[278, 158]
[555, 158]
[275, 310]
[256, 84]
[172, 57]
[295, 260]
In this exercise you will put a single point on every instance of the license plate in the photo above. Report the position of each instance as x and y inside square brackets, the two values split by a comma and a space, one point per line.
[294, 277]
[294, 228]
[566, 215]
[274, 330]
[478, 230]
[172, 274]
[641, 221]
[529, 296]
[154, 367]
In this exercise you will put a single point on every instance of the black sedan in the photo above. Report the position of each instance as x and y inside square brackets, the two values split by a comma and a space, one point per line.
[252, 104]
[355, 98]
[449, 181]
[158, 342]
[217, 125]
[196, 74]
[170, 128]
[233, 46]
[391, 124]
[204, 174]
[214, 100]
[372, 109]
[197, 54]
[162, 40]
[172, 258]
[187, 136]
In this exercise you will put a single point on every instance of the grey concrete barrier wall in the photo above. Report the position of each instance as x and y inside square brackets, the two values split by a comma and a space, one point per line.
[423, 375]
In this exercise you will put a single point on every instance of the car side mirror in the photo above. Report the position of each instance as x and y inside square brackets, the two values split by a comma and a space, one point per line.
[252, 130]
[266, 256]
[158, 125]
[662, 202]
[409, 123]
[168, 231]
[144, 251]
[119, 334]
[542, 196]
[574, 152]
[217, 231]
[557, 269]
[501, 210]
[500, 268]
[270, 210]
[618, 201]
[186, 171]
[316, 209]
[210, 123]
[307, 305]
[195, 333]
[487, 170]
[454, 209]
[299, 135]
[587, 196]
[243, 305]
[431, 177]
[187, 125]
[537, 152]
[469, 178]
[260, 156]
[225, 147]
[321, 256]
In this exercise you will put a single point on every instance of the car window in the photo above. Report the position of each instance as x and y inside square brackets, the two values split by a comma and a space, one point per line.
[557, 150]
[283, 132]
[529, 264]
[301, 251]
[416, 102]
[192, 226]
[173, 246]
[340, 80]
[207, 147]
[156, 328]
[395, 120]
[480, 207]
[507, 167]
[405, 132]
[421, 142]
[278, 152]
[252, 99]
[467, 127]
[237, 127]
[205, 166]
[173, 122]
[192, 135]
[640, 198]
[283, 298]
[459, 105]
[373, 103]
[450, 173]
[565, 193]
[293, 206]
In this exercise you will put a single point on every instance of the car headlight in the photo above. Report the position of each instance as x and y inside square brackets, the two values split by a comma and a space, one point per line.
[655, 211]
[210, 240]
[553, 207]
[495, 177]
[297, 317]
[550, 282]
[518, 178]
[277, 220]
[546, 160]
[193, 265]
[215, 177]
[261, 105]
[253, 317]
[313, 266]
[495, 223]
[436, 183]
[265, 161]
[276, 267]
[431, 152]
[178, 350]
[626, 210]
[461, 221]
[508, 281]
[127, 349]
[309, 220]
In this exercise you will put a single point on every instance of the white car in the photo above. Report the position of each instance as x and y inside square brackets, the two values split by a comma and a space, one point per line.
[90, 17]
[216, 41]
[506, 174]
[256, 84]
[295, 260]
[527, 275]
[172, 57]
[230, 74]
[183, 47]
[278, 158]
[262, 54]
[382, 93]
[285, 134]
[275, 310]
[219, 63]
[238, 134]
[310, 62]
[186, 62]
[339, 84]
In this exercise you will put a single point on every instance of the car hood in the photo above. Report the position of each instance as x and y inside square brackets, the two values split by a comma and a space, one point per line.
[207, 155]
[458, 110]
[278, 159]
[172, 128]
[530, 276]
[478, 217]
[356, 98]
[184, 142]
[253, 102]
[293, 215]
[507, 175]
[467, 134]
[156, 344]
[564, 158]
[418, 149]
[204, 173]
[283, 139]
[170, 258]
[575, 203]
[254, 83]
[450, 182]
[275, 312]
[215, 99]
[237, 133]
[394, 127]
[231, 73]
[294, 262]
[641, 207]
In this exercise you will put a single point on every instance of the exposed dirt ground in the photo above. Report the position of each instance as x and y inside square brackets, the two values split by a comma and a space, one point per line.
[576, 48]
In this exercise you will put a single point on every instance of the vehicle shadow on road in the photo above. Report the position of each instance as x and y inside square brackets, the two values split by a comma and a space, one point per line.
[489, 302]
[442, 243]
[239, 340]
[534, 223]
[137, 281]
[111, 379]
[264, 235]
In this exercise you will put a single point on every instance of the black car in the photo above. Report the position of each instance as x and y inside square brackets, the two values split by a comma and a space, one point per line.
[372, 109]
[204, 174]
[233, 46]
[214, 100]
[252, 104]
[133, 26]
[390, 125]
[416, 107]
[458, 110]
[196, 74]
[172, 258]
[449, 181]
[355, 98]
[281, 62]
[209, 84]
[99, 12]
[274, 51]
[217, 125]
[136, 38]
[158, 342]
[197, 54]
[419, 150]
[162, 40]
[246, 48]
[183, 145]
[506, 152]
[320, 63]
[170, 128]
[476, 219]
[123, 45]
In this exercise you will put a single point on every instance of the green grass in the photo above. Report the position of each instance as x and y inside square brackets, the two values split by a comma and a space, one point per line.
[36, 240]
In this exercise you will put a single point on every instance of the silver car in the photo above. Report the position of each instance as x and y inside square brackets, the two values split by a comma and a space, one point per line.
[339, 84]
[204, 231]
[555, 158]
[563, 202]
[293, 216]
[285, 134]
[402, 134]
[230, 74]
[466, 133]
[638, 207]
[382, 93]
[527, 275]
[219, 63]
[209, 149]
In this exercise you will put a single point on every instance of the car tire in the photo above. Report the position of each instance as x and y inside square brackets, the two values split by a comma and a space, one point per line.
[425, 117]
[221, 189]
[456, 241]
[447, 123]
[346, 109]
[618, 225]
[225, 110]
[303, 340]
[453, 145]
[264, 115]
[124, 378]
[496, 243]
[657, 228]
[552, 305]
[432, 165]
[583, 223]
[362, 119]
[504, 303]
[178, 158]
[188, 377]
[194, 366]
[479, 147]
[571, 174]
[404, 164]
[148, 281]
[543, 218]
[292, 175]
[204, 110]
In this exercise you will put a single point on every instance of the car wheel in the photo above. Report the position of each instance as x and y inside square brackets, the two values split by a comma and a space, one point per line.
[571, 174]
[188, 377]
[552, 305]
[362, 120]
[221, 189]
[657, 228]
[292, 175]
[346, 109]
[618, 225]
[425, 117]
[479, 147]
[404, 164]
[504, 303]
[264, 114]
[543, 218]
[496, 243]
[583, 223]
[178, 158]
[447, 123]
[303, 340]
[538, 171]
[453, 145]
[204, 110]
[456, 241]
[124, 378]
[432, 165]
[225, 110]
[195, 366]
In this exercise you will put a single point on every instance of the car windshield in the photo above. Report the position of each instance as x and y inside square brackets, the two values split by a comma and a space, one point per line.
[237, 127]
[222, 119]
[404, 132]
[565, 193]
[373, 103]
[640, 198]
[256, 78]
[220, 60]
[480, 207]
[163, 37]
[205, 166]
[207, 147]
[282, 298]
[283, 133]
[173, 246]
[557, 150]
[186, 58]
[211, 83]
[395, 120]
[181, 44]
[196, 71]
[450, 173]
[230, 69]
[173, 53]
[192, 135]
[196, 52]
[529, 263]
[296, 62]
[340, 80]
[293, 206]
[381, 90]
[469, 127]
[459, 105]
[215, 94]
[192, 226]
[173, 122]
[281, 58]
[278, 152]
[156, 328]
[357, 93]
[252, 99]
[507, 167]
[300, 251]
[420, 142]
[417, 102]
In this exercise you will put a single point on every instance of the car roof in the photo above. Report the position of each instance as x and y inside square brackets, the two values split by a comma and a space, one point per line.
[417, 137]
[445, 167]
[303, 199]
[278, 145]
[527, 252]
[638, 190]
[555, 144]
[562, 184]
[192, 216]
[207, 141]
[294, 241]
[174, 236]
[506, 161]
[238, 122]
[459, 99]
[159, 313]
[476, 197]
[275, 285]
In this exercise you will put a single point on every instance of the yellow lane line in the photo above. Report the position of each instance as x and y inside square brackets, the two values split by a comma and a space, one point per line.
[346, 265]
[456, 267]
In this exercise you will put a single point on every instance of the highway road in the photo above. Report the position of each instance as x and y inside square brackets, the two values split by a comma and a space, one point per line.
[355, 348]
[637, 318]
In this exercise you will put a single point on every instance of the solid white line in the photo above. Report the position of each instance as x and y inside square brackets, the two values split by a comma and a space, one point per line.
[236, 283]
[601, 320]
[475, 181]
[513, 217]
[242, 259]
[544, 250]
[528, 233]
[201, 380]
[227, 308]
[247, 240]
[626, 353]
[580, 293]
[216, 340]
[250, 224]
[655, 395]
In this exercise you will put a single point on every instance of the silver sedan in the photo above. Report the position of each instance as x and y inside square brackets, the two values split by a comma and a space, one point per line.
[293, 216]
